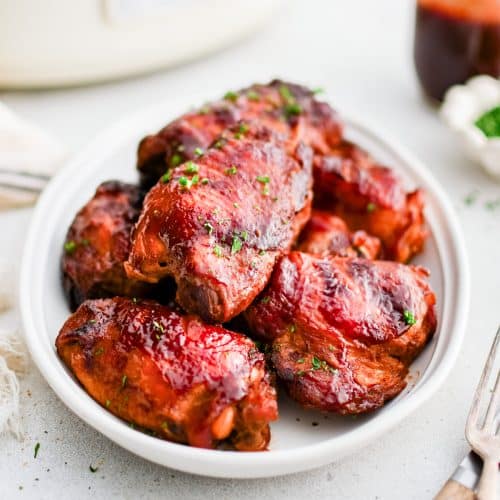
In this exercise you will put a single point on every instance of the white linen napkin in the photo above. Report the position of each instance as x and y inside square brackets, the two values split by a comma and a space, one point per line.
[24, 149]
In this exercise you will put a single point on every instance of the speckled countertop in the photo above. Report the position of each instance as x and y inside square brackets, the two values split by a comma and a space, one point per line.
[366, 70]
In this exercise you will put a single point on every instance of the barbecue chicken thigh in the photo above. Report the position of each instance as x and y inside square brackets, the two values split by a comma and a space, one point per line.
[218, 225]
[326, 233]
[172, 375]
[97, 244]
[283, 107]
[368, 196]
[342, 331]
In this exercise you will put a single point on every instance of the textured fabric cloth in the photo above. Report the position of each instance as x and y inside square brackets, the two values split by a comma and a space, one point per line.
[25, 150]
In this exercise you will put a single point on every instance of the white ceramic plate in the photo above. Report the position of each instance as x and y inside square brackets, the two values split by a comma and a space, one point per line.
[296, 443]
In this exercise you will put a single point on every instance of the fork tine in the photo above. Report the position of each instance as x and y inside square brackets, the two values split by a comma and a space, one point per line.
[481, 388]
[492, 407]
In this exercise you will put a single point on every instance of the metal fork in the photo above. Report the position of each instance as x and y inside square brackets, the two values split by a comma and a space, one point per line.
[23, 181]
[483, 438]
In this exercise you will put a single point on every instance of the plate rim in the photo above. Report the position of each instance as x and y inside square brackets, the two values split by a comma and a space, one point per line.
[230, 464]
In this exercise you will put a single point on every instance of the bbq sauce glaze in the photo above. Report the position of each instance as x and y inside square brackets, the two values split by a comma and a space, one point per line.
[454, 40]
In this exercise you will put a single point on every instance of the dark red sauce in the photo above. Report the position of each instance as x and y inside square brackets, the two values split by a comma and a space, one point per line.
[455, 40]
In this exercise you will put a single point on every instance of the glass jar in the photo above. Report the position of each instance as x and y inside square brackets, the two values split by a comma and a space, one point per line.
[454, 40]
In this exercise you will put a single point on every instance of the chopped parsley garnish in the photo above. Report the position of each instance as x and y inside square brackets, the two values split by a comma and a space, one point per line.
[124, 380]
[175, 160]
[253, 96]
[198, 151]
[159, 326]
[489, 122]
[231, 96]
[263, 179]
[371, 207]
[37, 447]
[300, 360]
[409, 318]
[236, 244]
[262, 252]
[242, 129]
[184, 182]
[300, 373]
[208, 227]
[204, 181]
[93, 469]
[231, 170]
[244, 235]
[195, 179]
[316, 363]
[99, 351]
[265, 300]
[286, 94]
[70, 246]
[218, 251]
[166, 176]
[471, 198]
[293, 109]
[220, 143]
[265, 191]
[191, 168]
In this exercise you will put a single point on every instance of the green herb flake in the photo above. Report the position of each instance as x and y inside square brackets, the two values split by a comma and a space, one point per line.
[371, 207]
[292, 110]
[195, 179]
[218, 251]
[252, 95]
[231, 96]
[243, 128]
[316, 363]
[236, 244]
[164, 425]
[265, 191]
[108, 402]
[286, 94]
[37, 448]
[191, 168]
[471, 198]
[198, 151]
[124, 380]
[489, 122]
[220, 143]
[99, 351]
[292, 328]
[209, 228]
[159, 326]
[265, 300]
[300, 360]
[93, 469]
[70, 246]
[204, 181]
[409, 318]
[231, 170]
[263, 179]
[244, 235]
[184, 182]
[166, 177]
[175, 160]
[262, 252]
[300, 373]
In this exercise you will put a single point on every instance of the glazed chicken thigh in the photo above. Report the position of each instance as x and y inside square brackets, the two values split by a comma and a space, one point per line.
[343, 331]
[218, 225]
[97, 244]
[173, 375]
[368, 196]
[326, 233]
[280, 106]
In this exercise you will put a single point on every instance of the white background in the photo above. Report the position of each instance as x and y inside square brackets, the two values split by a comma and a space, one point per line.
[360, 52]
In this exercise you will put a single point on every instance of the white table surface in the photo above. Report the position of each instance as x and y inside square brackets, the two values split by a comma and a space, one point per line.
[360, 52]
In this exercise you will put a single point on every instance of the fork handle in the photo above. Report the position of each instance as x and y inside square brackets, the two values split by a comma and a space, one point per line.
[488, 483]
[453, 490]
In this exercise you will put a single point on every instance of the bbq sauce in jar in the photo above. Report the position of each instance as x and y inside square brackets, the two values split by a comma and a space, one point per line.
[454, 40]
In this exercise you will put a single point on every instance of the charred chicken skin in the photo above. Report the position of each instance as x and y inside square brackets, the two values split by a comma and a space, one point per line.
[173, 375]
[371, 197]
[326, 233]
[218, 225]
[343, 330]
[97, 244]
[283, 107]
